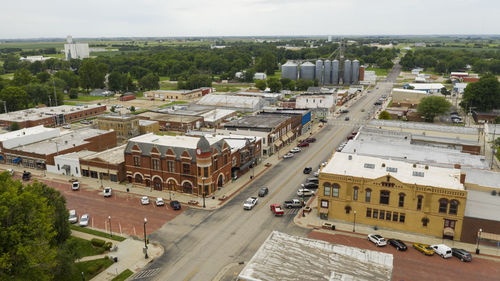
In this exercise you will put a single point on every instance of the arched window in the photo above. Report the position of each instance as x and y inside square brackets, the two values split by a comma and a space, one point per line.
[401, 200]
[443, 205]
[368, 195]
[327, 189]
[453, 207]
[335, 190]
[355, 193]
[384, 197]
[420, 198]
[138, 178]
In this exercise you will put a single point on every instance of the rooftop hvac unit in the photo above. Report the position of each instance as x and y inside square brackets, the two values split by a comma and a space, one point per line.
[64, 110]
[85, 106]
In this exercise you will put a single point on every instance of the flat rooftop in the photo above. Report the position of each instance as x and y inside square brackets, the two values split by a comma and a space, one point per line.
[482, 177]
[369, 167]
[286, 257]
[43, 112]
[425, 86]
[117, 116]
[230, 101]
[169, 117]
[422, 126]
[173, 141]
[26, 132]
[114, 155]
[75, 155]
[268, 121]
[482, 205]
[146, 122]
[217, 114]
[65, 141]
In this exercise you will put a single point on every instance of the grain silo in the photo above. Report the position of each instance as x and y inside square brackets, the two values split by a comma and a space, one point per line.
[289, 70]
[319, 71]
[335, 72]
[328, 73]
[347, 72]
[307, 71]
[355, 72]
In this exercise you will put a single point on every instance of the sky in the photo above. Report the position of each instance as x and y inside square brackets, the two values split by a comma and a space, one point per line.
[166, 18]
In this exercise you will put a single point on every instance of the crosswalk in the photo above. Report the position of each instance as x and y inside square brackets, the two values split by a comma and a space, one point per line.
[292, 211]
[145, 274]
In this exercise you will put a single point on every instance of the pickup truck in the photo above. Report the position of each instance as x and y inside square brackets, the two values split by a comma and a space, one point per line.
[294, 203]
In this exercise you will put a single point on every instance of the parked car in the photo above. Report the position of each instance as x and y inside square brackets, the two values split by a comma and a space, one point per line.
[377, 240]
[11, 171]
[424, 248]
[442, 250]
[310, 140]
[263, 191]
[277, 210]
[323, 120]
[304, 192]
[316, 174]
[84, 220]
[462, 254]
[288, 155]
[145, 200]
[107, 192]
[294, 203]
[310, 185]
[175, 205]
[67, 126]
[26, 176]
[73, 217]
[303, 144]
[159, 202]
[350, 137]
[307, 170]
[398, 244]
[250, 203]
[295, 150]
[75, 185]
[346, 118]
[315, 180]
[344, 111]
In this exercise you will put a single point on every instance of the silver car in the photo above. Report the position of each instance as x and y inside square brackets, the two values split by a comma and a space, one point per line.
[84, 220]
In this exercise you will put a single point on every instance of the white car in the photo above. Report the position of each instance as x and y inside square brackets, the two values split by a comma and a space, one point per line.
[304, 192]
[67, 126]
[73, 217]
[250, 203]
[107, 192]
[75, 185]
[316, 174]
[442, 250]
[84, 220]
[295, 150]
[145, 200]
[159, 201]
[288, 155]
[377, 240]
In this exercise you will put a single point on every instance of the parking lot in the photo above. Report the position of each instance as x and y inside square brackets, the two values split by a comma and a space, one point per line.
[411, 265]
[127, 213]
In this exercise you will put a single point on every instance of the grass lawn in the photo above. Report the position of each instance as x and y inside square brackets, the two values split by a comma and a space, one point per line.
[379, 71]
[91, 268]
[277, 75]
[168, 86]
[96, 233]
[84, 248]
[231, 87]
[122, 276]
[172, 103]
[7, 76]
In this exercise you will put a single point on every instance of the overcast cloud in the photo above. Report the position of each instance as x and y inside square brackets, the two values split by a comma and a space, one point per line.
[116, 18]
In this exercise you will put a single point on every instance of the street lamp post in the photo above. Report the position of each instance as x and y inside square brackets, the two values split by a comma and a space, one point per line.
[203, 191]
[145, 242]
[354, 225]
[303, 201]
[109, 221]
[478, 238]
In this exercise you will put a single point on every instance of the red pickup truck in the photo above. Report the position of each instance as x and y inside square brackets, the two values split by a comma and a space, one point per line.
[277, 210]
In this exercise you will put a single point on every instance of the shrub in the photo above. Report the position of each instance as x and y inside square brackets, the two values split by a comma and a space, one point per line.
[93, 268]
[97, 242]
[107, 246]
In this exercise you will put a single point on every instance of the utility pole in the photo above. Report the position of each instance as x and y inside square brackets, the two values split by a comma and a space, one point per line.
[54, 86]
[4, 106]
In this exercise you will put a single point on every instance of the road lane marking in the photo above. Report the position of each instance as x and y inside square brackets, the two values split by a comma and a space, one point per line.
[191, 274]
[298, 170]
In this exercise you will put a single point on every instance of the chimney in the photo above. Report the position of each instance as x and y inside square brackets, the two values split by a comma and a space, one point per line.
[457, 166]
[462, 178]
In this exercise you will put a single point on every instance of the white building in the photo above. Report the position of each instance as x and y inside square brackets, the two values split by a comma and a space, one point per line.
[76, 50]
[370, 78]
[27, 136]
[491, 131]
[459, 88]
[416, 71]
[259, 76]
[321, 105]
[428, 87]
[35, 58]
[68, 164]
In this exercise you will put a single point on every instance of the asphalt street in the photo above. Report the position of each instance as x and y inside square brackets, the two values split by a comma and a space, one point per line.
[200, 245]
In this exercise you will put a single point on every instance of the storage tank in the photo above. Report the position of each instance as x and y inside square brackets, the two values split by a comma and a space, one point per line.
[355, 72]
[347, 72]
[327, 78]
[335, 72]
[307, 71]
[319, 71]
[289, 70]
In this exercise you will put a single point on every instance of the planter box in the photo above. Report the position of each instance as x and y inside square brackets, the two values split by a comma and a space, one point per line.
[327, 225]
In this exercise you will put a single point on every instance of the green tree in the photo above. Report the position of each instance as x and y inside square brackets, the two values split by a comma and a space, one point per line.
[274, 84]
[433, 106]
[112, 109]
[132, 108]
[483, 95]
[86, 74]
[73, 93]
[261, 84]
[38, 93]
[116, 81]
[15, 97]
[445, 92]
[303, 84]
[22, 77]
[150, 81]
[43, 76]
[69, 77]
[267, 63]
[248, 75]
[14, 126]
[384, 115]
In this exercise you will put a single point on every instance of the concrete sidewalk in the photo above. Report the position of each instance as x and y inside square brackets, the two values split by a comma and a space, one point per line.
[312, 221]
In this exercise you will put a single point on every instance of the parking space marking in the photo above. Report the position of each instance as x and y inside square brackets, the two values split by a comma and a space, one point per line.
[145, 273]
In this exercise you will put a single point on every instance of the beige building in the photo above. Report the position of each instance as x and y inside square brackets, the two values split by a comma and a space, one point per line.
[148, 126]
[392, 194]
[174, 94]
[126, 126]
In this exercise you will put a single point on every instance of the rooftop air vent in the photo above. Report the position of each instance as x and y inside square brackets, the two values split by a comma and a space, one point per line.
[426, 167]
[418, 174]
[383, 165]
[391, 169]
[369, 166]
[350, 157]
[493, 192]
[414, 165]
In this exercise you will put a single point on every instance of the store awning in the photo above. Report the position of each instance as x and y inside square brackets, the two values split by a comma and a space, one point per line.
[1, 157]
[289, 134]
[323, 210]
[246, 165]
[489, 236]
[448, 231]
[16, 160]
[278, 143]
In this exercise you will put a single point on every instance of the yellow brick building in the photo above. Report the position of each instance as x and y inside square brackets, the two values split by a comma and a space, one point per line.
[392, 194]
[126, 126]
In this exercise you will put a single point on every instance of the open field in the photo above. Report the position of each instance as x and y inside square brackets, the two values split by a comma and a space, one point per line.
[379, 71]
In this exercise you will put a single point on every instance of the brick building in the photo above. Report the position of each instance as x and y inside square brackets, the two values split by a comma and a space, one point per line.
[186, 164]
[173, 122]
[126, 126]
[105, 165]
[51, 116]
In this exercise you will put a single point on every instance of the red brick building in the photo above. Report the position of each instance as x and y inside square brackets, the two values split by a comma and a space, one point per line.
[186, 164]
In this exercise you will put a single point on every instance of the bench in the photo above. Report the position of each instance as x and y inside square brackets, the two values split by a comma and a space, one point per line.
[307, 209]
[193, 202]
